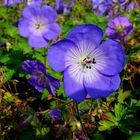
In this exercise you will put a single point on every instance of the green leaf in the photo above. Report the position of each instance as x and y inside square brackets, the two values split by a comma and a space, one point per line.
[12, 31]
[8, 98]
[60, 91]
[105, 125]
[135, 136]
[4, 57]
[123, 95]
[45, 94]
[53, 104]
[8, 73]
[120, 110]
[111, 117]
[42, 131]
[26, 135]
[97, 136]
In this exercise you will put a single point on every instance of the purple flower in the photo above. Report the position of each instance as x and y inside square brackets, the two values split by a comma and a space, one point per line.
[99, 6]
[119, 28]
[110, 7]
[38, 24]
[131, 6]
[10, 2]
[33, 2]
[90, 68]
[40, 79]
[61, 7]
[121, 1]
[55, 113]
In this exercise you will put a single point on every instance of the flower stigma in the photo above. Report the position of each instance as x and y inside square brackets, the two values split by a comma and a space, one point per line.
[87, 62]
[119, 29]
[41, 79]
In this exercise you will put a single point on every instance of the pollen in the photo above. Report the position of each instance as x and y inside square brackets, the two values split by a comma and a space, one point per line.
[88, 61]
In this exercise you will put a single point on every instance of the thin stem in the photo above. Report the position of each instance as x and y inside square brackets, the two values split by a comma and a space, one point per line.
[90, 107]
[59, 100]
[78, 115]
[98, 103]
[131, 85]
[45, 111]
[99, 106]
[45, 53]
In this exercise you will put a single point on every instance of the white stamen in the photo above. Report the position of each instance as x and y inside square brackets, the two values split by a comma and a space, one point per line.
[81, 62]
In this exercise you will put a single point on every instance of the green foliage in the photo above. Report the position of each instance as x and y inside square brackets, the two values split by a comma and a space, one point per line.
[120, 111]
[7, 99]
[26, 135]
[123, 95]
[24, 111]
[135, 136]
[44, 94]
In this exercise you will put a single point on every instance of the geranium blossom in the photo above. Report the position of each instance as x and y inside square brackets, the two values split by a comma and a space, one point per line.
[38, 24]
[55, 113]
[119, 28]
[90, 68]
[10, 2]
[62, 7]
[40, 79]
[111, 7]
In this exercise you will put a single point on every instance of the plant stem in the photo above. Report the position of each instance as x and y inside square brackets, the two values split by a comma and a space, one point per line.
[45, 53]
[78, 115]
[45, 111]
[98, 103]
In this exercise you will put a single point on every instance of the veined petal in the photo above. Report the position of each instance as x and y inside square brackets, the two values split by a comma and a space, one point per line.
[102, 85]
[52, 32]
[49, 13]
[33, 67]
[74, 90]
[112, 33]
[50, 89]
[23, 26]
[109, 57]
[57, 52]
[29, 12]
[89, 32]
[53, 81]
[33, 82]
[37, 41]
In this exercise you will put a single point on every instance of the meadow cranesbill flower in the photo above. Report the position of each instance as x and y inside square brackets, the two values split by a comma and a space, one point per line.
[33, 2]
[119, 28]
[38, 24]
[100, 6]
[10, 2]
[40, 79]
[55, 113]
[131, 6]
[110, 7]
[119, 6]
[61, 7]
[90, 68]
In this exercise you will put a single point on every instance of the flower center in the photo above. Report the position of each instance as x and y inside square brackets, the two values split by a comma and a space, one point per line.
[38, 25]
[88, 61]
[81, 62]
[41, 79]
[119, 29]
